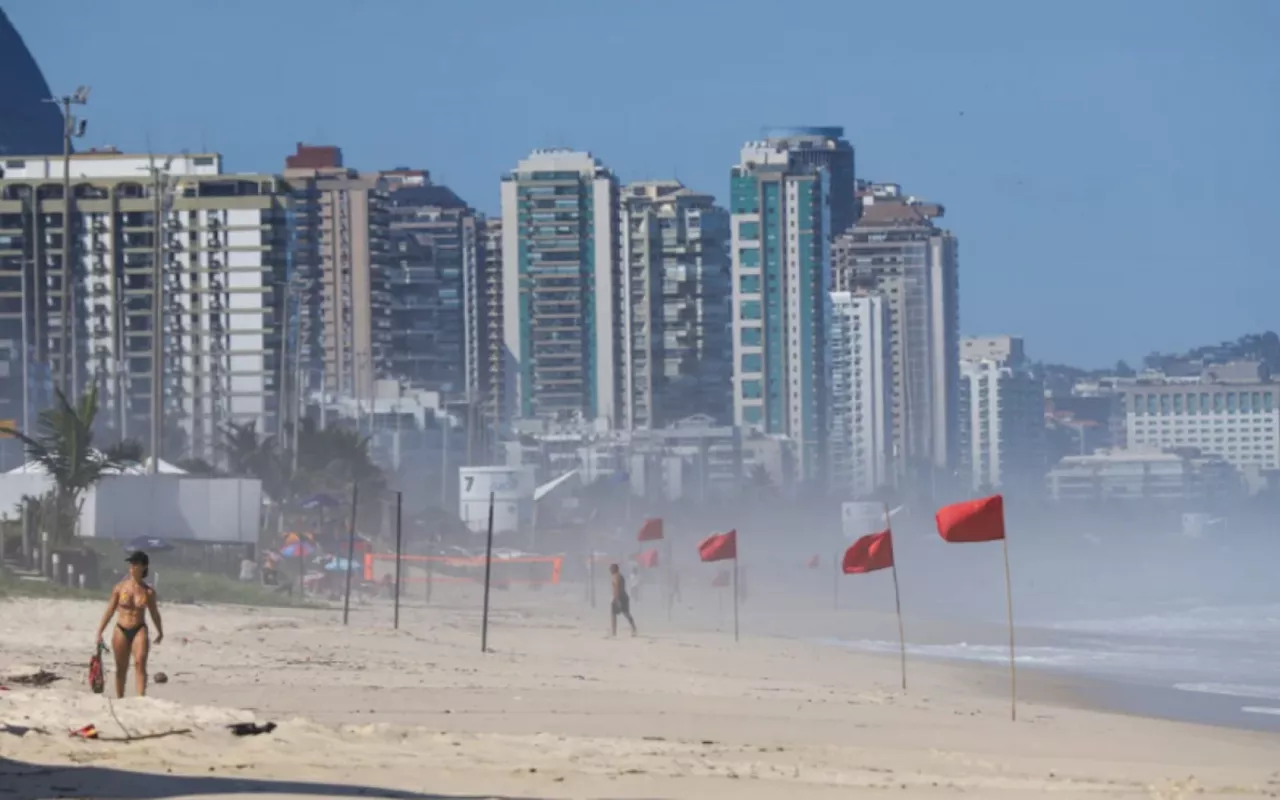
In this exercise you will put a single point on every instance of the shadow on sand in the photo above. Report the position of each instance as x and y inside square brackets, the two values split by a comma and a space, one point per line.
[23, 781]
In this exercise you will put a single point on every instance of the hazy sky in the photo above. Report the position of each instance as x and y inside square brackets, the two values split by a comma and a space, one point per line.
[1110, 166]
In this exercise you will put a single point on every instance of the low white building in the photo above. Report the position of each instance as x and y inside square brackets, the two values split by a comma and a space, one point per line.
[1232, 412]
[1145, 474]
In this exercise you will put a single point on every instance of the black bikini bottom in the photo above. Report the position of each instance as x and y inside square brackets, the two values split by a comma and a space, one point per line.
[130, 633]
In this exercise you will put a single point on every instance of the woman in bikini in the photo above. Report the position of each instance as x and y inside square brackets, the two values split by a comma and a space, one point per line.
[130, 601]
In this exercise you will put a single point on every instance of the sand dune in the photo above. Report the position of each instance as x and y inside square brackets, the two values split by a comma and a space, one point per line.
[558, 710]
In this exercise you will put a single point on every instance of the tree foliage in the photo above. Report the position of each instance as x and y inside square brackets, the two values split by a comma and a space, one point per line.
[62, 446]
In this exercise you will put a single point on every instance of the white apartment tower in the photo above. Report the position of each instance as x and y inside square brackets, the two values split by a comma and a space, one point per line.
[1002, 432]
[861, 449]
[676, 357]
[560, 309]
[222, 245]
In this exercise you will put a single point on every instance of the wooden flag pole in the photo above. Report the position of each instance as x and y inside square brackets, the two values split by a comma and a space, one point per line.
[488, 566]
[671, 581]
[897, 601]
[396, 623]
[1013, 670]
[351, 553]
[835, 582]
[902, 638]
[735, 598]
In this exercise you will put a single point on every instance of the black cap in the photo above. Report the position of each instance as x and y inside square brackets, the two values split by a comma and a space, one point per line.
[140, 558]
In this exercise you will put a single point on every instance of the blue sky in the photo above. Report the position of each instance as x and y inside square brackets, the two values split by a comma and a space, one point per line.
[1109, 166]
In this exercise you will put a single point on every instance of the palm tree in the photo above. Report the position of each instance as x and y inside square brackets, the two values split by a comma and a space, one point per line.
[62, 446]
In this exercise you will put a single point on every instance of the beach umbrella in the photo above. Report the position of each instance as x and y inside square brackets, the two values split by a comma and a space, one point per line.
[320, 501]
[151, 544]
[296, 548]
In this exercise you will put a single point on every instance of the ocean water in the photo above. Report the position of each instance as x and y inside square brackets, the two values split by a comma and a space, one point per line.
[1217, 664]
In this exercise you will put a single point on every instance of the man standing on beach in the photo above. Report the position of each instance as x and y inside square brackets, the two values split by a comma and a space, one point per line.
[621, 603]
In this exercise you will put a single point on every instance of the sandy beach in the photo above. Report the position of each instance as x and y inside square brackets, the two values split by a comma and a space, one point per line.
[559, 710]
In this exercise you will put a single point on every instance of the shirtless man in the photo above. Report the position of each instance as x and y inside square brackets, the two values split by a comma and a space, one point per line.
[131, 599]
[621, 603]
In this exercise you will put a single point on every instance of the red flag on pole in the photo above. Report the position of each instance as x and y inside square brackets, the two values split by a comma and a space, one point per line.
[647, 558]
[719, 547]
[651, 530]
[815, 562]
[980, 520]
[869, 554]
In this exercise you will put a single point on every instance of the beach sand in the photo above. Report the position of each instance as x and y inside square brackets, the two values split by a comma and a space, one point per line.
[559, 710]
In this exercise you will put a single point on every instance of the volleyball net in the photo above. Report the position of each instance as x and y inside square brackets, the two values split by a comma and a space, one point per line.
[523, 570]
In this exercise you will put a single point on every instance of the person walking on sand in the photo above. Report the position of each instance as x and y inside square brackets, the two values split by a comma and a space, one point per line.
[621, 603]
[131, 599]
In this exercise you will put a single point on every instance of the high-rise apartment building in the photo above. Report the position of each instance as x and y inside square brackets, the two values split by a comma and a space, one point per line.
[677, 352]
[435, 264]
[814, 147]
[485, 332]
[1002, 417]
[561, 321]
[342, 266]
[896, 250]
[222, 243]
[861, 395]
[781, 285]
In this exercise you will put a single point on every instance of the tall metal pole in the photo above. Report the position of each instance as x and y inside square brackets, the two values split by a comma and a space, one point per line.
[399, 501]
[157, 320]
[351, 553]
[488, 571]
[68, 329]
[26, 369]
[445, 427]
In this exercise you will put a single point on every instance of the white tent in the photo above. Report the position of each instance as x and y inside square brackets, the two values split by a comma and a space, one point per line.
[143, 468]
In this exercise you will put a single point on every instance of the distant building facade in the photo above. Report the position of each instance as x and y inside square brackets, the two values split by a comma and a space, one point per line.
[223, 241]
[560, 254]
[342, 260]
[1230, 411]
[1143, 474]
[677, 352]
[896, 250]
[1002, 423]
[861, 395]
[781, 285]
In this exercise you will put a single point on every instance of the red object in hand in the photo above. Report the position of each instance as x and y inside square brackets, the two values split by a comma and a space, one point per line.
[97, 680]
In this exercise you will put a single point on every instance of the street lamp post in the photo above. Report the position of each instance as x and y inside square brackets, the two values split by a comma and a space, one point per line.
[72, 127]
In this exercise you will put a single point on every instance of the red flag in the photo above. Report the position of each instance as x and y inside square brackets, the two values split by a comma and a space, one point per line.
[815, 562]
[980, 520]
[646, 558]
[869, 554]
[651, 530]
[719, 547]
[721, 579]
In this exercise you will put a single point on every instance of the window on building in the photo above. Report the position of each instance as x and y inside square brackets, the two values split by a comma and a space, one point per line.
[1231, 402]
[750, 309]
[752, 389]
[1217, 402]
[749, 256]
[752, 362]
[751, 337]
[752, 415]
[1137, 405]
[749, 231]
[749, 284]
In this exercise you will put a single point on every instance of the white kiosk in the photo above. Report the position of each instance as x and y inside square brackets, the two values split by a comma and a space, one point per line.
[512, 489]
